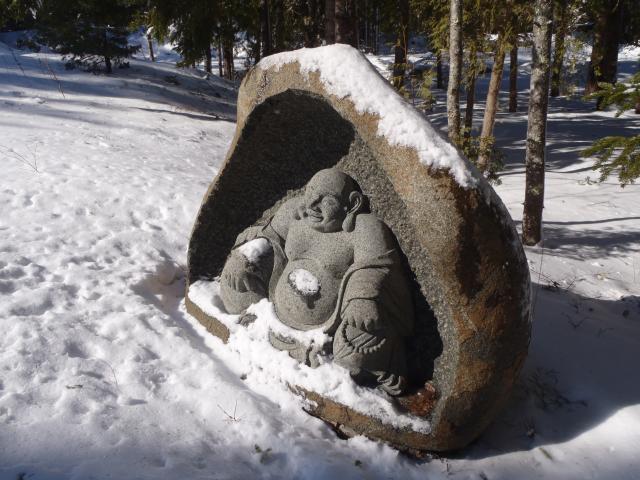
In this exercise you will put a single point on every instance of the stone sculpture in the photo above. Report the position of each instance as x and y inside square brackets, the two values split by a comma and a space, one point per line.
[302, 112]
[329, 264]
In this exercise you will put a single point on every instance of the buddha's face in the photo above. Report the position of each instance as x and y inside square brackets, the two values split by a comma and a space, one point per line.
[326, 201]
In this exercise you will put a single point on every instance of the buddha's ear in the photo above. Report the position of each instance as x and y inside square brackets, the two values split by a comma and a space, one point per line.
[356, 203]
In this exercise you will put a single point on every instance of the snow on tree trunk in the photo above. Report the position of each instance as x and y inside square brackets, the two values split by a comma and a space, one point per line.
[513, 78]
[486, 135]
[455, 70]
[537, 123]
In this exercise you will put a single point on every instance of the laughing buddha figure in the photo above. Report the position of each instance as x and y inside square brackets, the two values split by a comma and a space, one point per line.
[326, 262]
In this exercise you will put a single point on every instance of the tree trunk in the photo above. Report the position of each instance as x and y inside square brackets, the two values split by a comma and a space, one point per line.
[606, 37]
[330, 22]
[107, 59]
[471, 97]
[150, 44]
[344, 23]
[220, 55]
[265, 28]
[402, 44]
[279, 39]
[207, 59]
[311, 30]
[367, 39]
[439, 76]
[455, 70]
[356, 25]
[638, 107]
[228, 59]
[399, 64]
[537, 123]
[513, 78]
[559, 47]
[486, 135]
[376, 38]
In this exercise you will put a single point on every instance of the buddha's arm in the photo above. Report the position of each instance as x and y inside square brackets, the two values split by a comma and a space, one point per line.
[372, 239]
[371, 244]
[376, 295]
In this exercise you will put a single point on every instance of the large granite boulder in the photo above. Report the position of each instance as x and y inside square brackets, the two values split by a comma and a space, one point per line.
[303, 111]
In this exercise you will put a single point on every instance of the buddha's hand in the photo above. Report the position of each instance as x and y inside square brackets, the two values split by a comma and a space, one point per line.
[363, 314]
[241, 275]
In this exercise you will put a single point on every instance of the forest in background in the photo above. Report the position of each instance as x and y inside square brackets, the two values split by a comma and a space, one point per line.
[467, 38]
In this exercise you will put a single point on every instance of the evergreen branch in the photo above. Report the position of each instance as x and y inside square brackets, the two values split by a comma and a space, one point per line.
[616, 152]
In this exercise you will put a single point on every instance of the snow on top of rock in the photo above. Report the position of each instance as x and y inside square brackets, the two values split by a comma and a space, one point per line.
[345, 72]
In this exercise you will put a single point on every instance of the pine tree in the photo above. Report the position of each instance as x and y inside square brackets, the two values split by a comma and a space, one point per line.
[617, 153]
[455, 70]
[561, 21]
[491, 108]
[475, 41]
[537, 123]
[513, 77]
[606, 39]
[16, 14]
[432, 18]
[330, 22]
[90, 32]
[506, 18]
[193, 28]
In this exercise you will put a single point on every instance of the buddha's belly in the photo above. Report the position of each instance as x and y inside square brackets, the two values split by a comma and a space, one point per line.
[306, 294]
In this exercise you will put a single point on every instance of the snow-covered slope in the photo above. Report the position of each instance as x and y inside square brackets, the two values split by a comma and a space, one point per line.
[103, 375]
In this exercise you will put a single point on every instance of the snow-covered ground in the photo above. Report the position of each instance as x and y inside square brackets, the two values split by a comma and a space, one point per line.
[104, 375]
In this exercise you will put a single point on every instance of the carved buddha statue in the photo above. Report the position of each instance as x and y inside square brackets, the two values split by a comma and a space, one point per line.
[326, 262]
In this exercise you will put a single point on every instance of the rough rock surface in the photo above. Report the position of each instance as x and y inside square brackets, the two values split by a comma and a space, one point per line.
[470, 277]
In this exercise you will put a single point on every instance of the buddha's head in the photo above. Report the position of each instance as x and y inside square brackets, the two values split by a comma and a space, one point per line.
[332, 199]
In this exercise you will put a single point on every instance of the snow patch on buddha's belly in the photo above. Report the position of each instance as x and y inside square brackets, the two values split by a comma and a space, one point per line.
[304, 282]
[306, 294]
